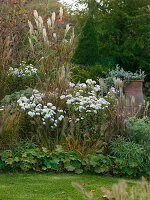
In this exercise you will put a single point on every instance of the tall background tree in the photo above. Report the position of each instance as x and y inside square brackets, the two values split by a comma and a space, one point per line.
[86, 52]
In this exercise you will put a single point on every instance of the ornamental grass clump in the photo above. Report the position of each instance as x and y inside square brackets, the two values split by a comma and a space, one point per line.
[116, 113]
[9, 127]
[120, 191]
[51, 41]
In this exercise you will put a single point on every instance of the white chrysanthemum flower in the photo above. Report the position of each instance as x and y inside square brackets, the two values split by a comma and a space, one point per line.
[31, 114]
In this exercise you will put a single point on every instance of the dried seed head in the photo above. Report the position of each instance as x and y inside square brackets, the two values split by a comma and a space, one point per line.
[40, 21]
[67, 29]
[72, 37]
[35, 13]
[78, 187]
[118, 83]
[132, 101]
[64, 41]
[44, 33]
[61, 13]
[31, 28]
[53, 18]
[54, 35]
[49, 22]
[31, 44]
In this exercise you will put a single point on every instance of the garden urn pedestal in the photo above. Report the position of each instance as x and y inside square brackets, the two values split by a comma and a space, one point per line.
[134, 92]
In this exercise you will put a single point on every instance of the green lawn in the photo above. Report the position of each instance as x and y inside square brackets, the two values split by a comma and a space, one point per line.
[34, 186]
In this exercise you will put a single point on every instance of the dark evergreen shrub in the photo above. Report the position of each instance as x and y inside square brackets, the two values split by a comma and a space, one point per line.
[86, 52]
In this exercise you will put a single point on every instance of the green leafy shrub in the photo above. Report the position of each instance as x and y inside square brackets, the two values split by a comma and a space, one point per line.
[99, 164]
[82, 73]
[86, 52]
[130, 159]
[41, 160]
[139, 132]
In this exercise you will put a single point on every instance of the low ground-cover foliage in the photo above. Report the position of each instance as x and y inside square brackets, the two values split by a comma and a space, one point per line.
[61, 161]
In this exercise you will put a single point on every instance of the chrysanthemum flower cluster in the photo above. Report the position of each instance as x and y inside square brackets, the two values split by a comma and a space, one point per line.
[85, 98]
[34, 108]
[23, 71]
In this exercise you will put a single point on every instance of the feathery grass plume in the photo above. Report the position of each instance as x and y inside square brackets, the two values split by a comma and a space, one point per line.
[40, 24]
[31, 44]
[45, 36]
[53, 19]
[55, 36]
[49, 22]
[9, 127]
[35, 13]
[146, 109]
[67, 29]
[80, 189]
[61, 13]
[31, 28]
[72, 36]
[103, 86]
[6, 50]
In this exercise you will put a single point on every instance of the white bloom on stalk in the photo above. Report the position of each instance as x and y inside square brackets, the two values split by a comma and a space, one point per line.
[68, 101]
[62, 97]
[61, 118]
[49, 104]
[53, 107]
[71, 84]
[61, 13]
[31, 114]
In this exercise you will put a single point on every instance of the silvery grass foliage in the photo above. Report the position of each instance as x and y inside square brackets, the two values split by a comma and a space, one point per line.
[84, 99]
[24, 70]
[125, 76]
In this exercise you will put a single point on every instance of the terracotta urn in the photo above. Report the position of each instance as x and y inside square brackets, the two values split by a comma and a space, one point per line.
[134, 89]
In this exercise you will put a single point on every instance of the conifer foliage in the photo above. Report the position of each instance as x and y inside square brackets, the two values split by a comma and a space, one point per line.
[86, 52]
